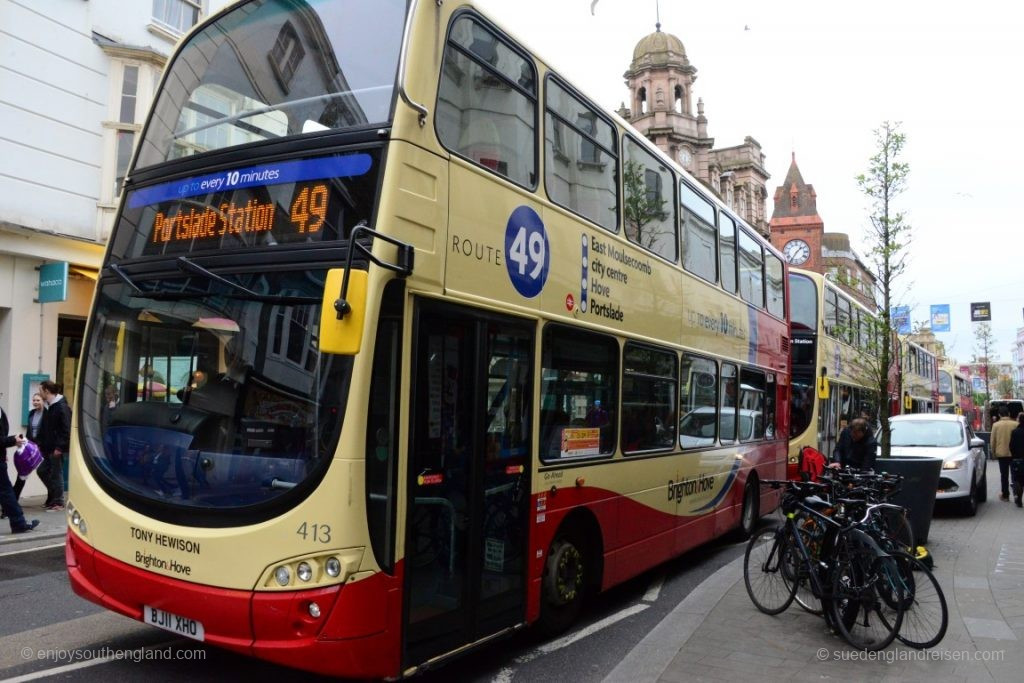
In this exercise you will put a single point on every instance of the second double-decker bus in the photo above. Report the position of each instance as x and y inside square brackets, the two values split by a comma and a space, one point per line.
[444, 347]
[955, 393]
[834, 377]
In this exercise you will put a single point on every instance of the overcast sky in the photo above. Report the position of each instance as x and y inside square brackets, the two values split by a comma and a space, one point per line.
[817, 78]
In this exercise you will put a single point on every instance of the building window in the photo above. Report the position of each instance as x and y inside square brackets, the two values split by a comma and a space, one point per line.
[125, 144]
[177, 15]
[286, 55]
[129, 93]
[794, 202]
[130, 85]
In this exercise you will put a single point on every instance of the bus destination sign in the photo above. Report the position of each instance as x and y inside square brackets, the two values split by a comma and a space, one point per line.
[239, 202]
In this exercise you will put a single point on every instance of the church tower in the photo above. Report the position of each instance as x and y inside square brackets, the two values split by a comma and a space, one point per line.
[660, 81]
[796, 228]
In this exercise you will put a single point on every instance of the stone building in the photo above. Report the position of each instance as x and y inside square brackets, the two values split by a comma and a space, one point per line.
[660, 80]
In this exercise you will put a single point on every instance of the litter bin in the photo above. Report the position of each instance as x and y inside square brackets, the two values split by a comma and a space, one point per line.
[920, 482]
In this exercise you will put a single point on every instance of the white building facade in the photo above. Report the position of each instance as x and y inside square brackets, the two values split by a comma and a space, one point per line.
[76, 80]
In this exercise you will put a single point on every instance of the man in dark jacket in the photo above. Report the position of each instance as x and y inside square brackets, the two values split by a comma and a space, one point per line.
[1017, 459]
[54, 442]
[859, 449]
[8, 502]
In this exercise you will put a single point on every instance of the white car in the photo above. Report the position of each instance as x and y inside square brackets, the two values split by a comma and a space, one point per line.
[951, 438]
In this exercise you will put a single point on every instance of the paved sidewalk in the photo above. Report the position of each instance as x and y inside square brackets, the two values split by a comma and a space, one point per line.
[52, 527]
[717, 634]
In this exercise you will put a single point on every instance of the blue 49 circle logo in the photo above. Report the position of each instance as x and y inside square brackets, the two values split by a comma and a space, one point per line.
[527, 252]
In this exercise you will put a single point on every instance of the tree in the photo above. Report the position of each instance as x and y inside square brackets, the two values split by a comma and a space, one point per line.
[1004, 386]
[986, 342]
[888, 239]
[644, 207]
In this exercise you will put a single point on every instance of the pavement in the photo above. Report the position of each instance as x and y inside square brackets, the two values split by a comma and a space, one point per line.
[716, 633]
[51, 530]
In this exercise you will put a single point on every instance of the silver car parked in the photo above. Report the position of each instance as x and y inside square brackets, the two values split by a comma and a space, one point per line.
[951, 438]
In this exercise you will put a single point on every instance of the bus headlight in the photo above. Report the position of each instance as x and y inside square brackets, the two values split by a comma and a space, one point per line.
[283, 576]
[314, 610]
[76, 517]
[333, 567]
[304, 572]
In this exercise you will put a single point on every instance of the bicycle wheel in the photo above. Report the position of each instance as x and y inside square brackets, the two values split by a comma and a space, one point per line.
[926, 615]
[805, 596]
[763, 574]
[868, 599]
[897, 530]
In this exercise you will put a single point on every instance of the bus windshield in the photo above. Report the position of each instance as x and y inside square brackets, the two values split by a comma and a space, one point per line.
[210, 399]
[803, 306]
[274, 68]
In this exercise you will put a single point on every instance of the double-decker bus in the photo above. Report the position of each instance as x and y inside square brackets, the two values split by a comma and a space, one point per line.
[426, 378]
[834, 379]
[920, 373]
[955, 393]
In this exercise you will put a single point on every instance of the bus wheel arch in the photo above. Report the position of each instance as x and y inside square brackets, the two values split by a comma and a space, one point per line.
[572, 571]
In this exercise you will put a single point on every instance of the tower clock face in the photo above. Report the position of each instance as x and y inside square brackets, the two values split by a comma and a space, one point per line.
[796, 252]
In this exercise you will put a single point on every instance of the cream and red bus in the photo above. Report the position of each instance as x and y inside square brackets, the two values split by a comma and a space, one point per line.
[834, 378]
[446, 347]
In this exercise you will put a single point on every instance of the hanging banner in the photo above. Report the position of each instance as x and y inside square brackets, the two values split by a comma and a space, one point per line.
[900, 316]
[940, 318]
[981, 311]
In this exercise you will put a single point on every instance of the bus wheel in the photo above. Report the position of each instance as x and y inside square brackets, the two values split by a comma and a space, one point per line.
[751, 511]
[563, 585]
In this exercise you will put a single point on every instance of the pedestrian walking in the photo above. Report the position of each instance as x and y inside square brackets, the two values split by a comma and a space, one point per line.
[1000, 443]
[54, 442]
[1017, 459]
[8, 504]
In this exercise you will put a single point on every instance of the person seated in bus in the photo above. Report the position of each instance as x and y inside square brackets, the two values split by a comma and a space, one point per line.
[859, 449]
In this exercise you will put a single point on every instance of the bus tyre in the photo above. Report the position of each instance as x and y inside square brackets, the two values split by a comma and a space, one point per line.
[563, 585]
[751, 511]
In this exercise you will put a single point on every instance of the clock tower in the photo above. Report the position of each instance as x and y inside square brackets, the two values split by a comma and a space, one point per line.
[796, 229]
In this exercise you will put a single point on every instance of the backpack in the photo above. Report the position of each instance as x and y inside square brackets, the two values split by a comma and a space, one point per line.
[812, 463]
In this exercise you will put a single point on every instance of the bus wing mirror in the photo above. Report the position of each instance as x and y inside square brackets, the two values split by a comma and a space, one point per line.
[343, 335]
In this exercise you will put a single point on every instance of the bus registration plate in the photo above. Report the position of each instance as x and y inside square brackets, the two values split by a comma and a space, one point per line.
[183, 626]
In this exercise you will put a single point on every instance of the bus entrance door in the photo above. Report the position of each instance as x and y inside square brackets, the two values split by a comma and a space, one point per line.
[469, 483]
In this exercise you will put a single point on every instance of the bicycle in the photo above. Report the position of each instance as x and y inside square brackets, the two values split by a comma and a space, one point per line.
[861, 590]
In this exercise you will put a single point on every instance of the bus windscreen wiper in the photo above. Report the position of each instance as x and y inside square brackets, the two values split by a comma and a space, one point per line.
[188, 266]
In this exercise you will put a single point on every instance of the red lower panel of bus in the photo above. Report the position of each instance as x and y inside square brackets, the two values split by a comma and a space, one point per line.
[356, 635]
